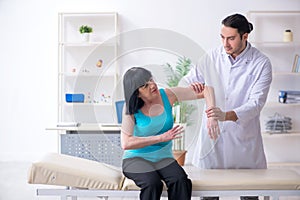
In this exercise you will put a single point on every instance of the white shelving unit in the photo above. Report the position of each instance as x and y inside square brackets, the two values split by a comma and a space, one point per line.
[267, 36]
[78, 70]
[79, 73]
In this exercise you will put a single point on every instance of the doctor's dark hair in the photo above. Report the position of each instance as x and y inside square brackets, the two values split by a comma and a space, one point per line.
[238, 22]
[133, 79]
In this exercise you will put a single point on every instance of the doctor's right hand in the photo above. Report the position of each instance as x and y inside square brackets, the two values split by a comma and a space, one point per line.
[216, 113]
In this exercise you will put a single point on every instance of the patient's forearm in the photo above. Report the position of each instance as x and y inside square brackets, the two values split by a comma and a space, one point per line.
[209, 96]
[131, 142]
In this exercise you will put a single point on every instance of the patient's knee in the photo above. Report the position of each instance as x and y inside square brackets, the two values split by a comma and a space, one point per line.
[179, 178]
[153, 183]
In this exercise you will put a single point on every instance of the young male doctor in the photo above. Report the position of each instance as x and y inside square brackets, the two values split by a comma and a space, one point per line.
[241, 76]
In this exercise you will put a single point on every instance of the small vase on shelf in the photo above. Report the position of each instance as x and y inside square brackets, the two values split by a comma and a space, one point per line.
[85, 37]
[288, 36]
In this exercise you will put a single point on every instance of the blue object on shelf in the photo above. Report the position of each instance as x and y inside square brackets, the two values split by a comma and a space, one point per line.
[74, 98]
[119, 109]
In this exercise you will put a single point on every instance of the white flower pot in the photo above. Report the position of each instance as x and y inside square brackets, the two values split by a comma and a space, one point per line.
[85, 37]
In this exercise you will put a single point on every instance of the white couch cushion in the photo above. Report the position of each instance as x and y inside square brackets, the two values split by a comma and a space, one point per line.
[58, 169]
[63, 170]
[237, 179]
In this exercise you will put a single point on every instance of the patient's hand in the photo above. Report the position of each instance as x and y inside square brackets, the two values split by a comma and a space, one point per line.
[213, 128]
[172, 134]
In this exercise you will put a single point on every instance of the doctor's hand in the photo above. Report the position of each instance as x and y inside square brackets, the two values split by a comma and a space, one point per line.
[213, 128]
[197, 87]
[215, 113]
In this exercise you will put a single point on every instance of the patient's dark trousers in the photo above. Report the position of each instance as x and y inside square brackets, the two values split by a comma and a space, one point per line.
[148, 176]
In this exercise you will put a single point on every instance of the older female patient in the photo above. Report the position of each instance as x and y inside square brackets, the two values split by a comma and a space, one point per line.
[147, 133]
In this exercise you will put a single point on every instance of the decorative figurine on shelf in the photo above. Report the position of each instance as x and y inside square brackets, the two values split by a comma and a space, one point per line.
[99, 63]
[104, 98]
[89, 100]
[85, 70]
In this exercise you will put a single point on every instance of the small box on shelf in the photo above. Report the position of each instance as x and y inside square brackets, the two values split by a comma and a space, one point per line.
[289, 96]
[70, 98]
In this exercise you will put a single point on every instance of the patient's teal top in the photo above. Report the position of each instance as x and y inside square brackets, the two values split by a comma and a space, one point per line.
[154, 125]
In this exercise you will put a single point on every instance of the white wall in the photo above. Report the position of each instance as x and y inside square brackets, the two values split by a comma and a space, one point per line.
[28, 52]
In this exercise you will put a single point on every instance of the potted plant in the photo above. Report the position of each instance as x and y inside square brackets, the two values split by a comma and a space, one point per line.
[85, 32]
[181, 110]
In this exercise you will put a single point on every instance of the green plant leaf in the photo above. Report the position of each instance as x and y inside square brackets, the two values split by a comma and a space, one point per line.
[174, 75]
[85, 29]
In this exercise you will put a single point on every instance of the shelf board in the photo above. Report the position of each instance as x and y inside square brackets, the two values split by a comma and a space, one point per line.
[288, 133]
[89, 104]
[88, 127]
[276, 12]
[276, 104]
[276, 43]
[89, 44]
[90, 14]
[74, 75]
[286, 73]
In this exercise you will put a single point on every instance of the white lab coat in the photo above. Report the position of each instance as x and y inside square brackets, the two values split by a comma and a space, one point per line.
[242, 87]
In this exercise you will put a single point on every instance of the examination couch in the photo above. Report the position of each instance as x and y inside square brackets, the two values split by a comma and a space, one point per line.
[73, 177]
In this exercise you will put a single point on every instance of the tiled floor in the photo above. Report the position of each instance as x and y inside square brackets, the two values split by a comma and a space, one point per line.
[14, 186]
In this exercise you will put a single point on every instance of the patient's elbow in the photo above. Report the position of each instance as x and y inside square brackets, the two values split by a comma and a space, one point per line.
[127, 141]
[125, 146]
